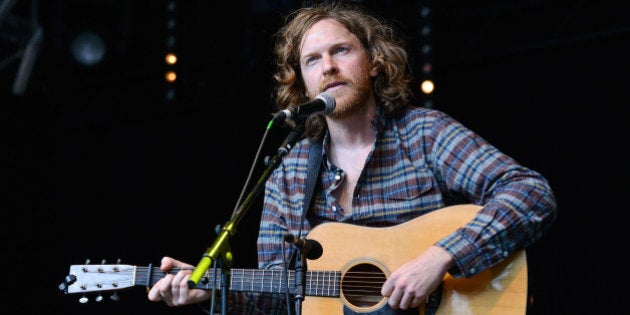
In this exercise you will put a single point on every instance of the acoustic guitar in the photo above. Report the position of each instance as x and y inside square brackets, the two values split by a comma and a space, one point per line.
[355, 263]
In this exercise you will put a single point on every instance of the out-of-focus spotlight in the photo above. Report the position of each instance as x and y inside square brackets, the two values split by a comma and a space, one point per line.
[170, 58]
[427, 86]
[170, 76]
[88, 48]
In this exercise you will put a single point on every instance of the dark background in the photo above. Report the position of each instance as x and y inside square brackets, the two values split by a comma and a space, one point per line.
[100, 163]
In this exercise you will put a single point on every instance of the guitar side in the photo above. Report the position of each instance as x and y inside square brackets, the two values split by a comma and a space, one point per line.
[499, 290]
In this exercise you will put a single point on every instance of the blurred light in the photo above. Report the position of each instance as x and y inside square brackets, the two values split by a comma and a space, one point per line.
[170, 24]
[170, 76]
[426, 30]
[426, 49]
[170, 58]
[170, 41]
[425, 11]
[427, 86]
[88, 48]
[170, 94]
[171, 6]
[427, 67]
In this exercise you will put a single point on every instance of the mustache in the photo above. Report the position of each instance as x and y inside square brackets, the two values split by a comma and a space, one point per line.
[333, 82]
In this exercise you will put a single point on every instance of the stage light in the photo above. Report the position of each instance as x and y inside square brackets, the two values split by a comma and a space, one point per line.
[88, 48]
[427, 86]
[170, 76]
[425, 49]
[170, 58]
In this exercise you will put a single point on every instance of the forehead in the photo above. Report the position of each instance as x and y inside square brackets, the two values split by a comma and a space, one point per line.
[324, 33]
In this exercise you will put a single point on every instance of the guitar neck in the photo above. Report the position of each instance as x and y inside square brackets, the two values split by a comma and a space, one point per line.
[116, 277]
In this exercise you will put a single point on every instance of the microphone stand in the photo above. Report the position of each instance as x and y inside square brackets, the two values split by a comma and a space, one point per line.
[221, 247]
[300, 280]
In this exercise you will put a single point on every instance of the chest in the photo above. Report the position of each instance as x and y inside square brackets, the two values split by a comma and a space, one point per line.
[376, 190]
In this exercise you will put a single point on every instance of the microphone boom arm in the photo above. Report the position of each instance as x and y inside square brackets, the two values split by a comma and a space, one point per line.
[221, 247]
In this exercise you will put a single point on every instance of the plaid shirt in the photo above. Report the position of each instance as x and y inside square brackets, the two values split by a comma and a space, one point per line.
[420, 162]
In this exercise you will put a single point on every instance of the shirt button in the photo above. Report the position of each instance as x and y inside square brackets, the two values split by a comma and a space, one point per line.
[505, 254]
[337, 177]
[472, 270]
[334, 208]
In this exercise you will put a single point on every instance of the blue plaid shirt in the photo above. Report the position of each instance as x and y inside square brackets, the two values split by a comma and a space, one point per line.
[420, 162]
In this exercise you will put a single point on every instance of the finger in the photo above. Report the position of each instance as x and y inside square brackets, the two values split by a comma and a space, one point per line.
[409, 301]
[184, 290]
[154, 293]
[163, 289]
[167, 263]
[415, 302]
[386, 290]
[405, 301]
[179, 287]
[394, 299]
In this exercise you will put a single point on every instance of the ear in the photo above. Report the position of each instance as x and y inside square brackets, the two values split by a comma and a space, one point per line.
[374, 71]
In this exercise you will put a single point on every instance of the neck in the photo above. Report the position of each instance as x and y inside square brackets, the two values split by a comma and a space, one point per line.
[354, 130]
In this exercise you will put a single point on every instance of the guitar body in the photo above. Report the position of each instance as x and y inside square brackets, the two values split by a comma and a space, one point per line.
[500, 290]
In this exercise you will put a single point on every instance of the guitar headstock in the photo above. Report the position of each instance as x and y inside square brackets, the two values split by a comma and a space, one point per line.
[96, 278]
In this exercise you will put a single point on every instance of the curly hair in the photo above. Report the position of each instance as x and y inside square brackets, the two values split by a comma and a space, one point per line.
[380, 41]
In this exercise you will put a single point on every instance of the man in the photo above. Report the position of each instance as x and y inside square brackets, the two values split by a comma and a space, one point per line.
[384, 162]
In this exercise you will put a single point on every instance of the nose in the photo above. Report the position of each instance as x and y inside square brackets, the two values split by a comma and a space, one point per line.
[328, 64]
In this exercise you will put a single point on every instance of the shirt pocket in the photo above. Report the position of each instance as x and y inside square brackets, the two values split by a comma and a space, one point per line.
[408, 185]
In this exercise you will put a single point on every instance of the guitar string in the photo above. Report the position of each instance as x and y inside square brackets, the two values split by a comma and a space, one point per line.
[353, 281]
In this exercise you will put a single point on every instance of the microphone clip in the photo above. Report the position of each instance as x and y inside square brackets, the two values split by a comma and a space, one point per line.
[311, 249]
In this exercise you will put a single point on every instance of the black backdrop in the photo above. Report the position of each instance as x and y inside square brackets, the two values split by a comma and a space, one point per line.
[99, 166]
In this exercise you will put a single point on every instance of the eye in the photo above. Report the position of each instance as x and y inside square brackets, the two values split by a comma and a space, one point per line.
[341, 50]
[310, 60]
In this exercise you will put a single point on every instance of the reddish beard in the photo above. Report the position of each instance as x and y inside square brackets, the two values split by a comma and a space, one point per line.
[353, 97]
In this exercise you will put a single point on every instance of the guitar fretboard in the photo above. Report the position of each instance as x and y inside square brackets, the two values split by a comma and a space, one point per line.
[318, 283]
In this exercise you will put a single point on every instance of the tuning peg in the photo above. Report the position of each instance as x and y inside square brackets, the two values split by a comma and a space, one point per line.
[67, 281]
[99, 298]
[117, 263]
[115, 297]
[102, 263]
[83, 300]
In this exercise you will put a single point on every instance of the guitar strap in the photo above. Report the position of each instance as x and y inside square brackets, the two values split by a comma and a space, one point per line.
[314, 163]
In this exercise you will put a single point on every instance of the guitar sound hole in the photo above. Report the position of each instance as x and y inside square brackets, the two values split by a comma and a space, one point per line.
[361, 285]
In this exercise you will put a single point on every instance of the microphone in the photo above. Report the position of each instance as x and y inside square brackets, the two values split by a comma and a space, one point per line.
[324, 103]
[312, 249]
